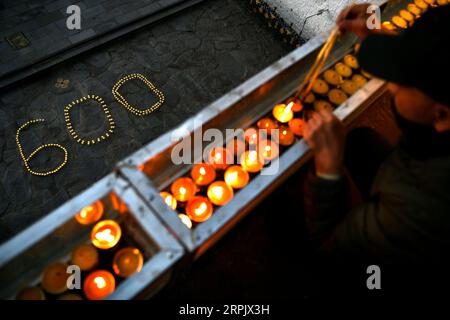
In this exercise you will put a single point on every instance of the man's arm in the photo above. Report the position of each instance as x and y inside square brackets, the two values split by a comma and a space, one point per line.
[369, 230]
[326, 193]
[333, 225]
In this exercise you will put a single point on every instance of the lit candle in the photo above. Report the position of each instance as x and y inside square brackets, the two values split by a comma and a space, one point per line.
[99, 284]
[91, 213]
[359, 80]
[127, 261]
[33, 293]
[251, 135]
[236, 177]
[183, 189]
[84, 256]
[387, 25]
[297, 105]
[219, 193]
[296, 125]
[203, 174]
[251, 161]
[54, 278]
[267, 124]
[236, 147]
[106, 234]
[268, 149]
[185, 220]
[285, 137]
[219, 158]
[169, 199]
[283, 113]
[199, 209]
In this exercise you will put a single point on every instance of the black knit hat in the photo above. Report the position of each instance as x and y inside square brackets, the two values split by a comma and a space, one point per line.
[418, 57]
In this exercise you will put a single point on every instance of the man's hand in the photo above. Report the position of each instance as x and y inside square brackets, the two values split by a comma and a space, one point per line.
[325, 134]
[354, 19]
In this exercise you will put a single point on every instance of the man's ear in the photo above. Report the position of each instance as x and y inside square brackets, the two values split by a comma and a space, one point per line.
[441, 117]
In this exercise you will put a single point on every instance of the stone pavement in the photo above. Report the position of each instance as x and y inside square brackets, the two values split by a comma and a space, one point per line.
[305, 16]
[38, 28]
[193, 57]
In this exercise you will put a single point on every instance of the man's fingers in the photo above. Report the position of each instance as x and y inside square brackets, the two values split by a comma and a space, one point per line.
[352, 12]
[315, 124]
[308, 136]
[343, 14]
[310, 131]
[311, 125]
[348, 25]
[327, 116]
[341, 30]
[317, 118]
[306, 132]
[340, 17]
[314, 131]
[357, 26]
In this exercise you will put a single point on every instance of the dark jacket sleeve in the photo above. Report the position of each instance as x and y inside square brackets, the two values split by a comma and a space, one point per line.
[343, 232]
[326, 202]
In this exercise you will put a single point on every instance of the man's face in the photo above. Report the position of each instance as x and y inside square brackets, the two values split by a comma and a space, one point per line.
[412, 104]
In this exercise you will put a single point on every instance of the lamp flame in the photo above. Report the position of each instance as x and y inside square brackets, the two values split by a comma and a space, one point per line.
[185, 220]
[100, 282]
[105, 235]
[233, 176]
[169, 201]
[288, 108]
[201, 209]
[252, 156]
[217, 191]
